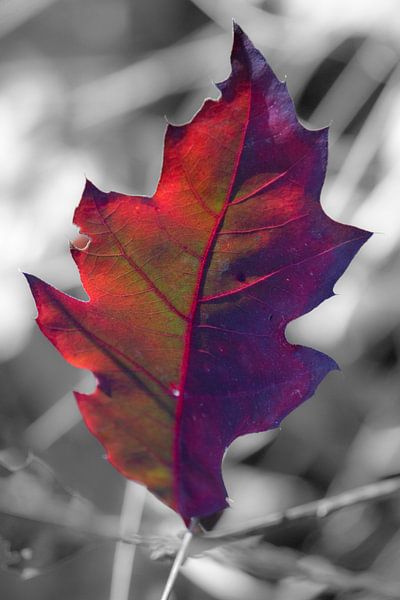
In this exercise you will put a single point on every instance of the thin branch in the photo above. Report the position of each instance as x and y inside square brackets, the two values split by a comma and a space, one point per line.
[317, 509]
[279, 561]
[165, 547]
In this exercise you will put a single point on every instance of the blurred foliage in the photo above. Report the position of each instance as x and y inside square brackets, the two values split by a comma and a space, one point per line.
[84, 87]
[32, 504]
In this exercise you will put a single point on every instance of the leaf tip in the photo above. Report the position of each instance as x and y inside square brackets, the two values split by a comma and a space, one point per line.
[239, 38]
[34, 285]
[237, 30]
[90, 188]
[240, 49]
[31, 279]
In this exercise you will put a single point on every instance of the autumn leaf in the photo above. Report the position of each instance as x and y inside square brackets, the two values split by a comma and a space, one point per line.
[191, 290]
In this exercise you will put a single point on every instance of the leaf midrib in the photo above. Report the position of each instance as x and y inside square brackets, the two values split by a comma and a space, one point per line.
[198, 287]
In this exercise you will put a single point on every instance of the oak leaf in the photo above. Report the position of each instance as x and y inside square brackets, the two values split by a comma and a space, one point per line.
[191, 290]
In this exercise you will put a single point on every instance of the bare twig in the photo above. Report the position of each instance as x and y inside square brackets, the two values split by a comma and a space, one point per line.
[279, 562]
[107, 527]
[318, 509]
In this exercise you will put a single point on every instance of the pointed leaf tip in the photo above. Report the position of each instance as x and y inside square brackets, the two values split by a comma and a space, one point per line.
[31, 279]
[90, 188]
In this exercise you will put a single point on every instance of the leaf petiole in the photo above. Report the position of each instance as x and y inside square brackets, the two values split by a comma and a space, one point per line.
[179, 559]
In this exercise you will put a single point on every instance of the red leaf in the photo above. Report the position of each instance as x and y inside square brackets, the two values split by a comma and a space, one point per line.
[191, 290]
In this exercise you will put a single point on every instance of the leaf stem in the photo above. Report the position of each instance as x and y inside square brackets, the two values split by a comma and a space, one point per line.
[179, 559]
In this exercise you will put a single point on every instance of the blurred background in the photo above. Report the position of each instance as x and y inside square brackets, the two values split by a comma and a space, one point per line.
[85, 86]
